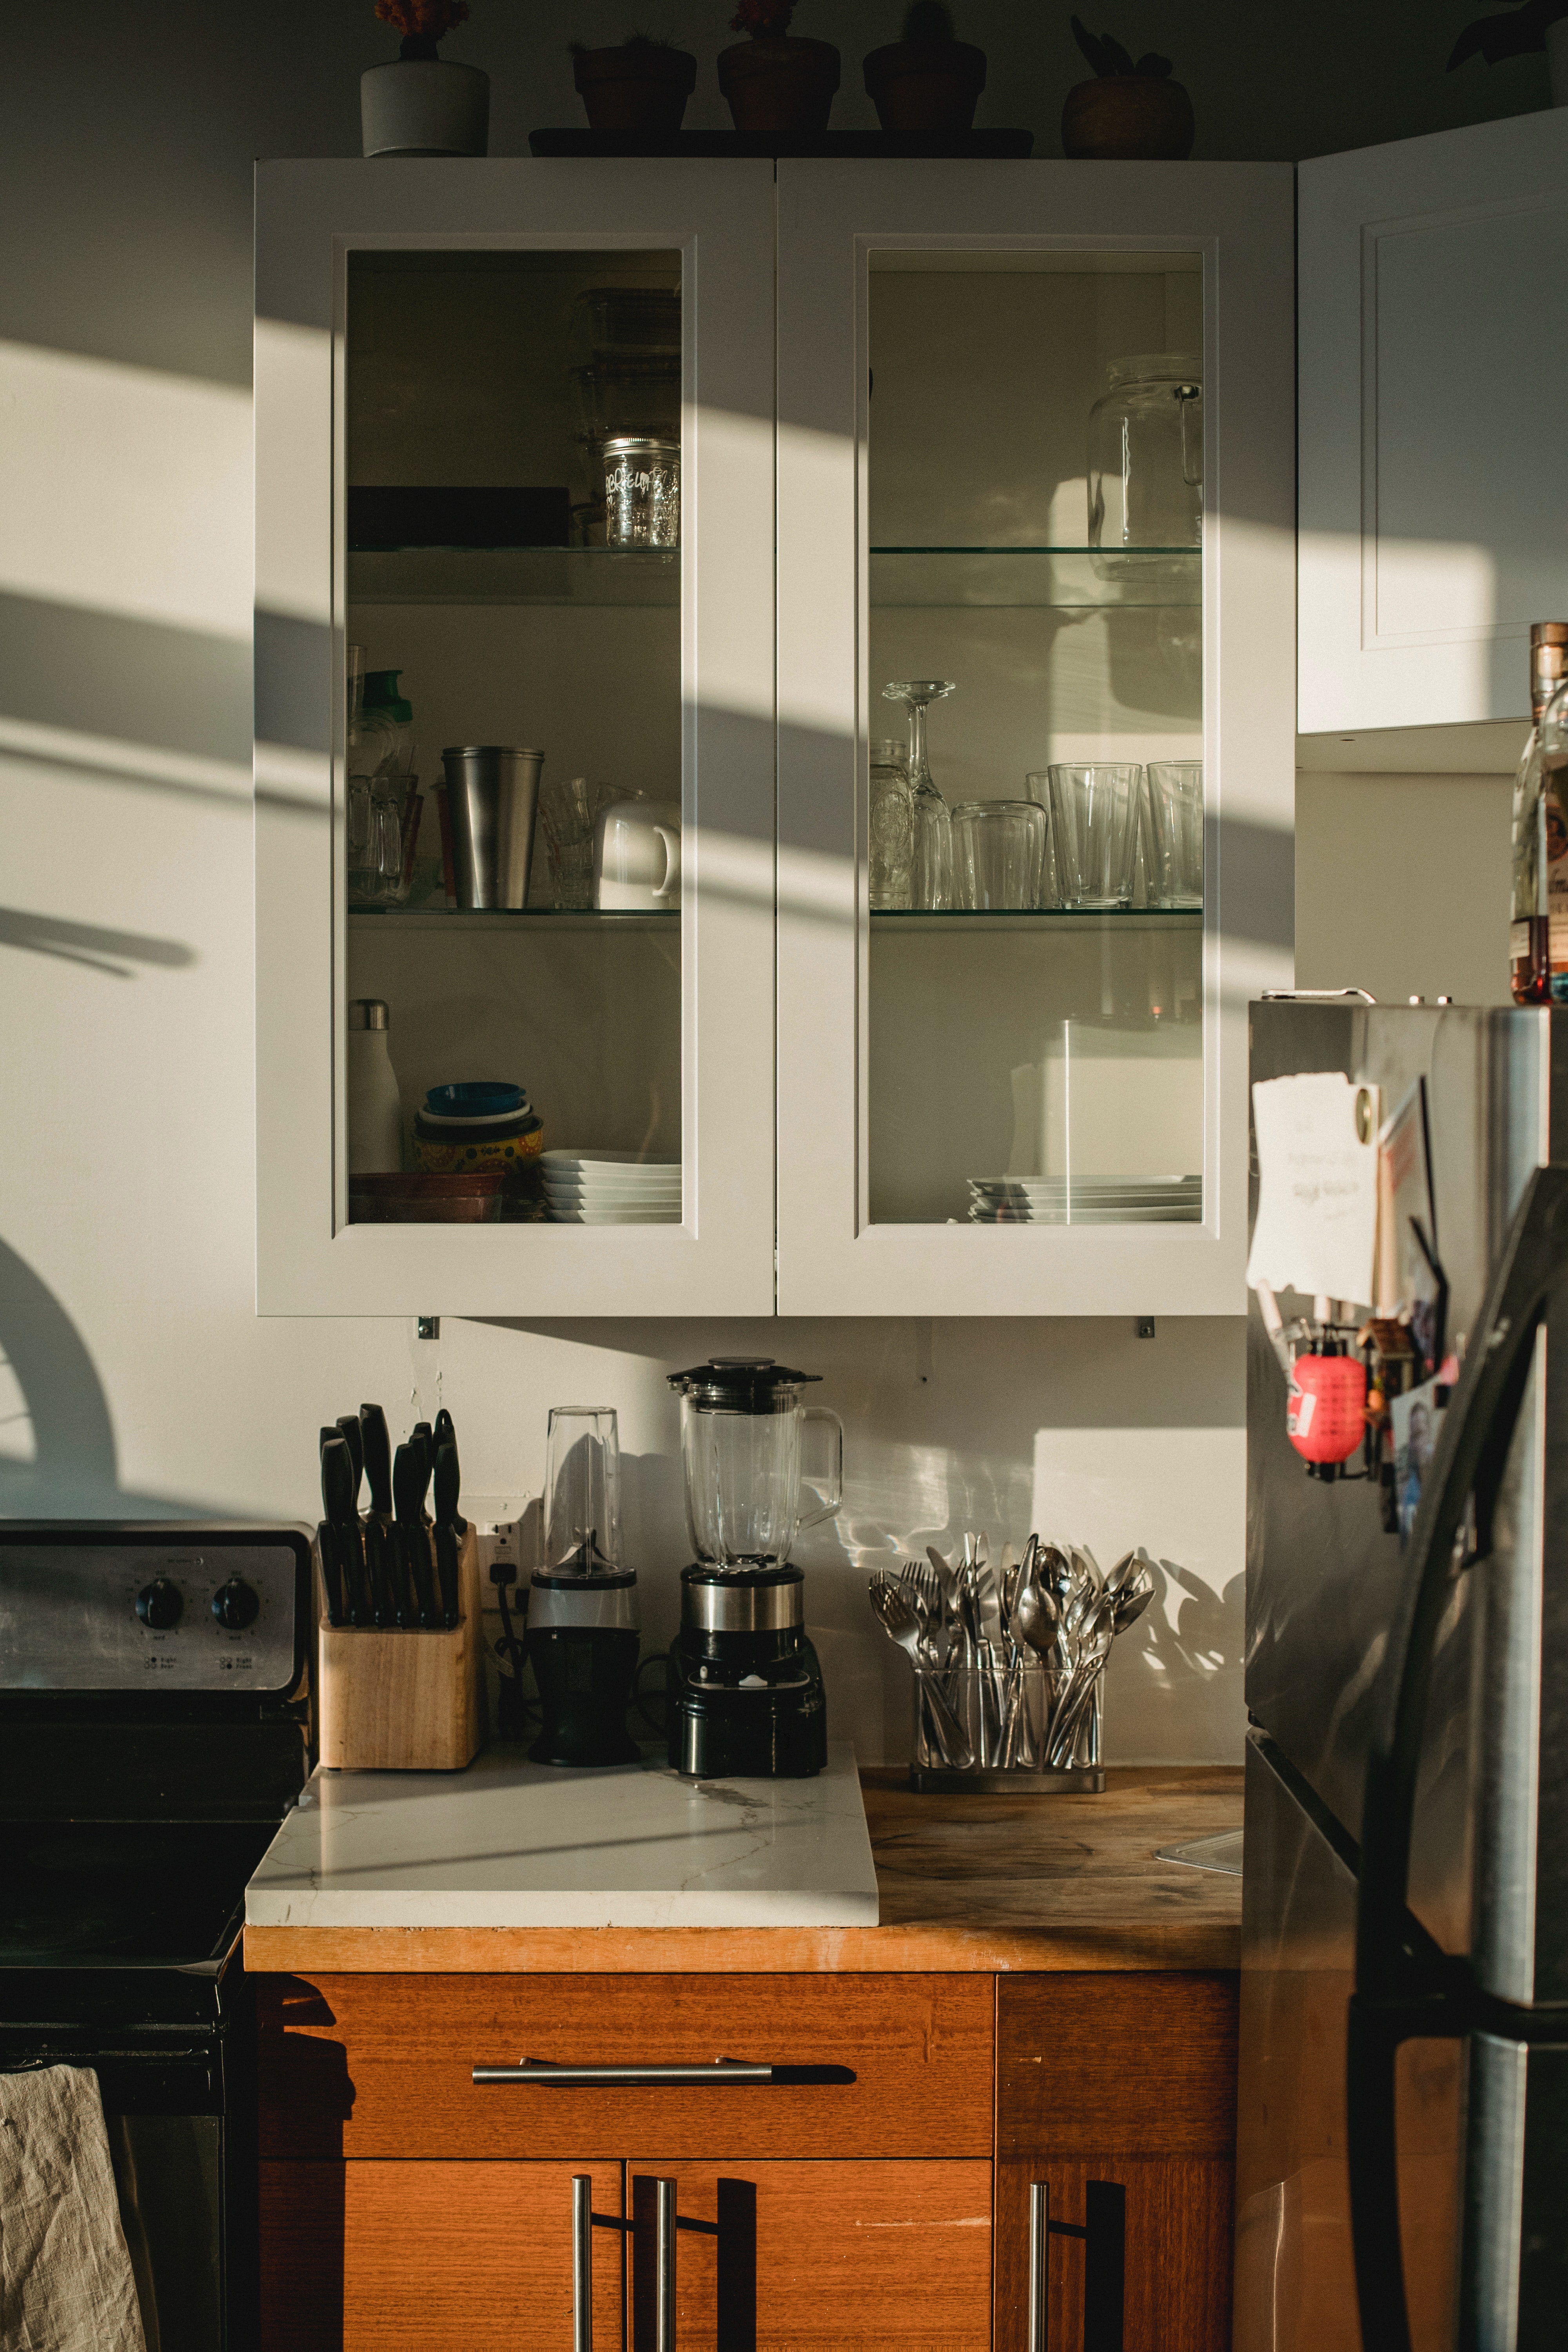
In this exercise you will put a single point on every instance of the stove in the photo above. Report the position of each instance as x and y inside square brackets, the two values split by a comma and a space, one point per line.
[154, 1731]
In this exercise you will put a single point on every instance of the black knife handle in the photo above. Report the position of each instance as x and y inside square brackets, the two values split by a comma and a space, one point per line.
[377, 1573]
[331, 1572]
[352, 1436]
[377, 1448]
[446, 1569]
[405, 1607]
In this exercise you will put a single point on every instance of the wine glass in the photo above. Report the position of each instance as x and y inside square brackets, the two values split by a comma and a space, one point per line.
[931, 884]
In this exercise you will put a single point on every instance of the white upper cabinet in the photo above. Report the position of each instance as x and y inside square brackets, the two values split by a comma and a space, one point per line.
[1035, 474]
[1433, 466]
[515, 492]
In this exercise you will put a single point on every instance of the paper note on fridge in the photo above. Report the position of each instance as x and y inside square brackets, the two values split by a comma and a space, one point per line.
[1317, 1185]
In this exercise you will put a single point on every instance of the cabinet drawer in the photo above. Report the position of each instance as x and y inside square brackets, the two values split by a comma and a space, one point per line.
[381, 2066]
[430, 2257]
[836, 2257]
[1103, 2063]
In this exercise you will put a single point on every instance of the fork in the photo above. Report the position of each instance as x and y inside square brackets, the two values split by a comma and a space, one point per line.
[896, 1611]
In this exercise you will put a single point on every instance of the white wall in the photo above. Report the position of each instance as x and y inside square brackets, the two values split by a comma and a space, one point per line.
[138, 1378]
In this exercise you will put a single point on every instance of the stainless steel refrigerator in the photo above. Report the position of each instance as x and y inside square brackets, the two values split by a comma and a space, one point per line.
[1434, 2102]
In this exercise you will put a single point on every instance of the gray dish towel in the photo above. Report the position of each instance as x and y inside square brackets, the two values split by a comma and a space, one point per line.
[66, 2282]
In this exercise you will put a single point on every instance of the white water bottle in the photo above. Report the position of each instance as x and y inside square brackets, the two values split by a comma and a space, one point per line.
[375, 1107]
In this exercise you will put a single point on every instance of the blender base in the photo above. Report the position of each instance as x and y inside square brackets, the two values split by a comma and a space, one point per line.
[757, 1729]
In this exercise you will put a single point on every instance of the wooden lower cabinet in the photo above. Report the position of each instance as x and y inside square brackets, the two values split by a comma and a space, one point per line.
[422, 2257]
[820, 2257]
[1130, 2080]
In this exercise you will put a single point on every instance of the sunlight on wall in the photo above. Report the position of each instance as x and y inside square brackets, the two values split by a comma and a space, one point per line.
[125, 489]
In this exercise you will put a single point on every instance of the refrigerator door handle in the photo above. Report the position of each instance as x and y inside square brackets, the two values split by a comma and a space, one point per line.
[1403, 1992]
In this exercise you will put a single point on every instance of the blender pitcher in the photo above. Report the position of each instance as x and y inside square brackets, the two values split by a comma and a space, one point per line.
[745, 1434]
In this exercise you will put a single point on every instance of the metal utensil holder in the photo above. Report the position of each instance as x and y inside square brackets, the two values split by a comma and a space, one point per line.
[1000, 1719]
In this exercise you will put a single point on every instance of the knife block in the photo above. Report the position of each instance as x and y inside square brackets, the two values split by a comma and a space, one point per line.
[403, 1702]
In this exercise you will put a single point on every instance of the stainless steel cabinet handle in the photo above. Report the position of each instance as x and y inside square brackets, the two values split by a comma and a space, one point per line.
[722, 2070]
[664, 2268]
[582, 2262]
[1039, 2246]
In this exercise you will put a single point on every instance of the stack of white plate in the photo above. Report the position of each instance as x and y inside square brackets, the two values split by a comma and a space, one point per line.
[1085, 1200]
[611, 1188]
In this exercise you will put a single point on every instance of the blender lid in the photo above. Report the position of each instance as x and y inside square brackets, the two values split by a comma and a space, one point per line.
[739, 1384]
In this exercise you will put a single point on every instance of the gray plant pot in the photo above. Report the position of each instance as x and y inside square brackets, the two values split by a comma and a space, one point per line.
[424, 106]
[1557, 60]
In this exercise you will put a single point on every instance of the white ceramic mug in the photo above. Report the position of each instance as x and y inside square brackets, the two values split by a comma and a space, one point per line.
[637, 857]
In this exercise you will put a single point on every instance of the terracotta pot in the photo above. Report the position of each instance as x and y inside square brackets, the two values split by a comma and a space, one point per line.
[925, 85]
[1127, 116]
[781, 88]
[637, 87]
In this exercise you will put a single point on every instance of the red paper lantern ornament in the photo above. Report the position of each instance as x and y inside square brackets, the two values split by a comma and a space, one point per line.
[1324, 1414]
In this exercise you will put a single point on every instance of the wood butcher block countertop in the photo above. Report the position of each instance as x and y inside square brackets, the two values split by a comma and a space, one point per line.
[990, 1884]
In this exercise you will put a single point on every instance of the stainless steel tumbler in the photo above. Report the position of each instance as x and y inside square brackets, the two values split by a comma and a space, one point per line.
[493, 799]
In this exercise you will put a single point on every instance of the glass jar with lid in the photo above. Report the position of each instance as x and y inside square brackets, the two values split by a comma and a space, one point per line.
[1146, 468]
[892, 828]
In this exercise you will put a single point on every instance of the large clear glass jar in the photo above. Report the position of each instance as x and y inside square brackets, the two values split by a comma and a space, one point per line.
[1146, 466]
[892, 829]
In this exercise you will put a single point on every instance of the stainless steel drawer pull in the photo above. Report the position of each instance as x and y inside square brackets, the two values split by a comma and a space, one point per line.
[722, 2070]
[664, 2268]
[582, 2262]
[1040, 2248]
[1103, 2235]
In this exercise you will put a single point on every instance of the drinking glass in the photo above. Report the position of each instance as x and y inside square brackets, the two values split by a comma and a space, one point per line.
[582, 1490]
[998, 848]
[1094, 821]
[930, 884]
[892, 828]
[567, 808]
[1176, 821]
[1048, 889]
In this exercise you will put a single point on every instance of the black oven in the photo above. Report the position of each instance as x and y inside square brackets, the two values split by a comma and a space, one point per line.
[153, 1732]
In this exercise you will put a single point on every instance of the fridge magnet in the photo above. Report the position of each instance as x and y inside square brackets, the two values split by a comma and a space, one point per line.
[1417, 1417]
[1411, 1286]
[1316, 1140]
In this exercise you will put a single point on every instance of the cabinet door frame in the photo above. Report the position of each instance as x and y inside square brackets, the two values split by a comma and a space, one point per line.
[720, 1260]
[1353, 675]
[1240, 217]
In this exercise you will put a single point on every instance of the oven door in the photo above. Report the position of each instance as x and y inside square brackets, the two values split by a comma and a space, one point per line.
[174, 2104]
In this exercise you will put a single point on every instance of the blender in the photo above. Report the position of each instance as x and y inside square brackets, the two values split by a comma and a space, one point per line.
[583, 1603]
[746, 1689]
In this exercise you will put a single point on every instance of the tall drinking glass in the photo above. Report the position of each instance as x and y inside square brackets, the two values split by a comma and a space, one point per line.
[582, 1489]
[932, 880]
[1176, 821]
[1094, 819]
[1048, 889]
[997, 848]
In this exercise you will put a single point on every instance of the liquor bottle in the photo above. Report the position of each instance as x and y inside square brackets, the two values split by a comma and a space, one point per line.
[1539, 839]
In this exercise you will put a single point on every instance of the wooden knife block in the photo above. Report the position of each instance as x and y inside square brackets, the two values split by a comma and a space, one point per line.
[403, 1702]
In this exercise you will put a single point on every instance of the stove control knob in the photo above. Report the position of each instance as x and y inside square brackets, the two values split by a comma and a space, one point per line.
[235, 1606]
[160, 1604]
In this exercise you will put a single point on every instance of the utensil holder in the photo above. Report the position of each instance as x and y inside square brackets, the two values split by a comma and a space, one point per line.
[394, 1701]
[1002, 1714]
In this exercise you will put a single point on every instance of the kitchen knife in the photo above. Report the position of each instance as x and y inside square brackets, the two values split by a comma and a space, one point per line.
[338, 1501]
[331, 1572]
[352, 1436]
[377, 1447]
[446, 1435]
[447, 1531]
[378, 1570]
[410, 1476]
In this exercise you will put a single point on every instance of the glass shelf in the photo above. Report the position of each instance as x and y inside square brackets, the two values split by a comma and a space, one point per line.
[1056, 576]
[514, 575]
[1038, 919]
[461, 921]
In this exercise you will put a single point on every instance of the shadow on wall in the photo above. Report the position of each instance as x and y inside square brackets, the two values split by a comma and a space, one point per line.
[1178, 1670]
[56, 1439]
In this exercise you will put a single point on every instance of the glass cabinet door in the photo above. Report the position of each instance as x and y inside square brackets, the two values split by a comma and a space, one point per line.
[1034, 829]
[536, 896]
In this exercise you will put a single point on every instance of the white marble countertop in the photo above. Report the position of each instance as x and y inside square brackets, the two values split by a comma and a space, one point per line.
[513, 1844]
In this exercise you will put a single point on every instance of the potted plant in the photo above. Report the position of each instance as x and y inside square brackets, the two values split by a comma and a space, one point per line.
[643, 85]
[776, 84]
[1128, 111]
[419, 103]
[1537, 25]
[927, 81]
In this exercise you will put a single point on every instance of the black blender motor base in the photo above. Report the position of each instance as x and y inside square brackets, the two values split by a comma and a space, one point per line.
[584, 1678]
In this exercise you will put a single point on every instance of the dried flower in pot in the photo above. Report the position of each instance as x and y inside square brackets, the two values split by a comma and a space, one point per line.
[1127, 112]
[928, 81]
[642, 85]
[776, 84]
[420, 103]
[1534, 24]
